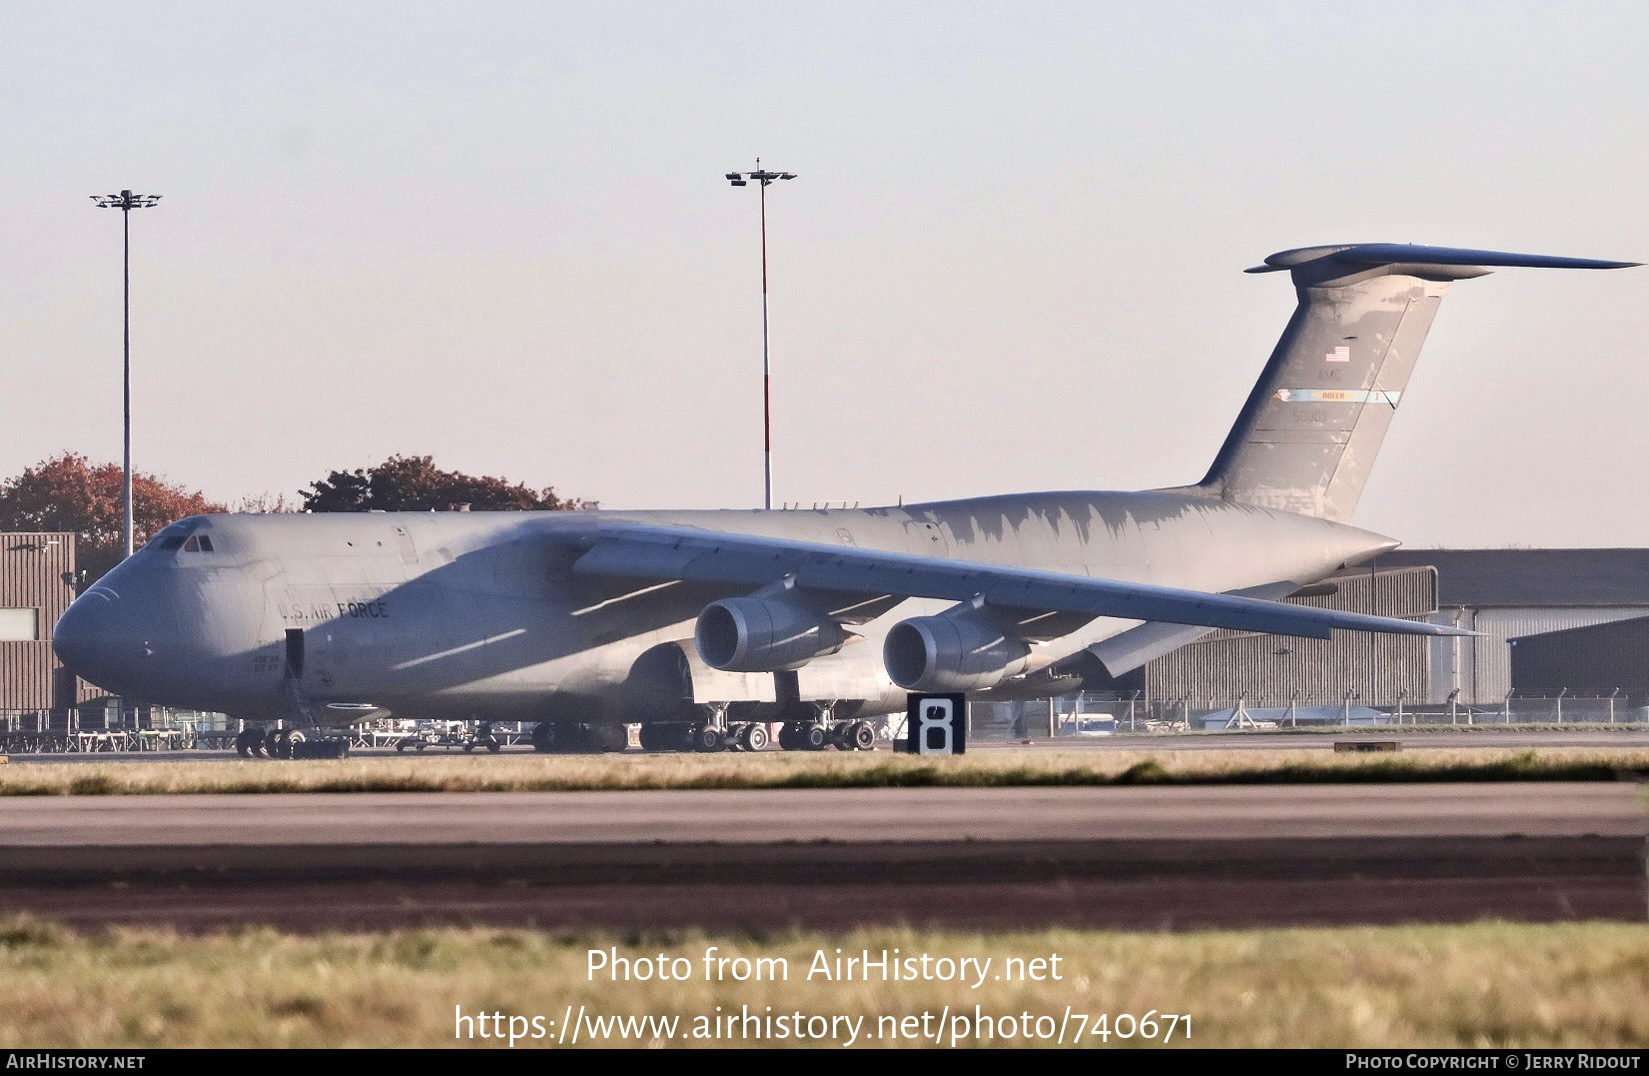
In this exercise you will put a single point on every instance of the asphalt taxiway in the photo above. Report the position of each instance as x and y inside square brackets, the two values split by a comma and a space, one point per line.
[969, 858]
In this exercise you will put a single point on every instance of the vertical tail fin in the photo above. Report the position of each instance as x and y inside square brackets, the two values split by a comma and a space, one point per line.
[1308, 435]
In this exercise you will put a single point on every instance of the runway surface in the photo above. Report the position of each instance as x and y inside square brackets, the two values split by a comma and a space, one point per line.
[765, 859]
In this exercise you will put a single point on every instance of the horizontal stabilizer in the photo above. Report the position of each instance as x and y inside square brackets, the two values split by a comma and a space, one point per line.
[1362, 254]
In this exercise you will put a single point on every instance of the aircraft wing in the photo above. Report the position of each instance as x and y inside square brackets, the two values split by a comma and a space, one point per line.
[653, 551]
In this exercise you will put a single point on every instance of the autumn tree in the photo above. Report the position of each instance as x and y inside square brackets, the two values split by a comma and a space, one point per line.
[68, 493]
[415, 484]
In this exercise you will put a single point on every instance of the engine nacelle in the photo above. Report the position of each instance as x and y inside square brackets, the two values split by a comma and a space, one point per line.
[966, 648]
[770, 630]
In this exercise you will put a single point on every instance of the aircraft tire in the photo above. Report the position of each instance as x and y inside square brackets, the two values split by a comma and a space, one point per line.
[753, 737]
[337, 748]
[861, 736]
[658, 737]
[548, 737]
[493, 747]
[609, 736]
[706, 738]
[244, 744]
[790, 736]
[814, 738]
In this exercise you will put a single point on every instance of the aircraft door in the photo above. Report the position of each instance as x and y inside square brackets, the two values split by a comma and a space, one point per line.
[926, 538]
[294, 654]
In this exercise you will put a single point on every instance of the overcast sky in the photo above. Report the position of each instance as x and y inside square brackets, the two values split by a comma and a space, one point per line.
[498, 234]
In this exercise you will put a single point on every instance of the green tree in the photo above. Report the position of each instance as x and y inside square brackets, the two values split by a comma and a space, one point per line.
[415, 484]
[68, 493]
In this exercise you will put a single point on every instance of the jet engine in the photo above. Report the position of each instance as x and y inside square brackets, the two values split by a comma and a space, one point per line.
[775, 628]
[965, 648]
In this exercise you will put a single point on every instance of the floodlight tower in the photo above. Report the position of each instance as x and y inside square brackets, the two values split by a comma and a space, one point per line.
[763, 177]
[126, 201]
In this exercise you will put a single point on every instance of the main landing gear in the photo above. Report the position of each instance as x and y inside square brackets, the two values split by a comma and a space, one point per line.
[716, 733]
[754, 736]
[578, 737]
[813, 736]
[289, 744]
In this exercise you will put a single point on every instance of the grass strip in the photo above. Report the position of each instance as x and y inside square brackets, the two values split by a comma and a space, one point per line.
[1006, 768]
[1474, 986]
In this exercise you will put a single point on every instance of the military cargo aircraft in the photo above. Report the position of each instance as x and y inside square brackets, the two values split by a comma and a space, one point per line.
[707, 628]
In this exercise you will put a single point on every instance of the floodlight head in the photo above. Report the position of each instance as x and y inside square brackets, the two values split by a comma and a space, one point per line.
[733, 175]
[125, 200]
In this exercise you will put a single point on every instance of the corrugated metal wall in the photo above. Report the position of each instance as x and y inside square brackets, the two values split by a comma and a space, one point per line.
[1594, 660]
[1272, 668]
[1488, 675]
[32, 570]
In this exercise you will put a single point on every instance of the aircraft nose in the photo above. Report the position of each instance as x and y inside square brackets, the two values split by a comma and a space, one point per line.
[89, 638]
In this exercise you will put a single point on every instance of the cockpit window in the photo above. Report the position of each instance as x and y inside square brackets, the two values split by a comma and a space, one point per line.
[179, 537]
[171, 538]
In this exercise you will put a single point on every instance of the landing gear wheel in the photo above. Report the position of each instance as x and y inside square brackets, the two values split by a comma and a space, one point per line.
[706, 738]
[861, 736]
[609, 736]
[663, 738]
[279, 743]
[753, 737]
[331, 747]
[249, 743]
[814, 738]
[547, 737]
[790, 736]
[493, 747]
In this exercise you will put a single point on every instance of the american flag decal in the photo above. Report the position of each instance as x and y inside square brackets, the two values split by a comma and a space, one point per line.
[1339, 354]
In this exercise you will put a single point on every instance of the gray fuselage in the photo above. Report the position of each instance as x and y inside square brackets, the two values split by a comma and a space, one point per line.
[480, 616]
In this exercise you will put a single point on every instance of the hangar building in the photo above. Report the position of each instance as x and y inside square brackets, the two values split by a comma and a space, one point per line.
[1509, 593]
[36, 585]
[1538, 596]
